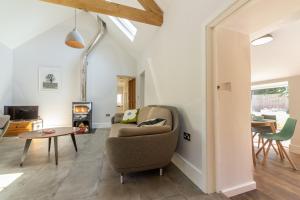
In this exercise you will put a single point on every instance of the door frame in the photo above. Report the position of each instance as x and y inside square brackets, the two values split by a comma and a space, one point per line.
[127, 77]
[209, 168]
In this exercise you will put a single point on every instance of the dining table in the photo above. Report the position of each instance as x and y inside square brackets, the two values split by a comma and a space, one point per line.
[262, 123]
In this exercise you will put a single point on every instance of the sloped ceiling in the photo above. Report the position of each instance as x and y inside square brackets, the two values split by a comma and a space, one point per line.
[280, 58]
[23, 20]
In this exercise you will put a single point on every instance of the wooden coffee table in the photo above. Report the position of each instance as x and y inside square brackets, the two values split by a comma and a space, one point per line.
[29, 136]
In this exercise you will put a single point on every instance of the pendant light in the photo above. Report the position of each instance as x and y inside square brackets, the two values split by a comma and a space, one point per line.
[74, 38]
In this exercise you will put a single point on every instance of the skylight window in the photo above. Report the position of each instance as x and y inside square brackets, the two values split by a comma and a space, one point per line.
[125, 26]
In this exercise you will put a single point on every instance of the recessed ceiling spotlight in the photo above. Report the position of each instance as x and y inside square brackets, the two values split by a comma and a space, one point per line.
[262, 40]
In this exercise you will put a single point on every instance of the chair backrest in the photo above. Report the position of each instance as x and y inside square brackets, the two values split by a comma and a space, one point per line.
[288, 130]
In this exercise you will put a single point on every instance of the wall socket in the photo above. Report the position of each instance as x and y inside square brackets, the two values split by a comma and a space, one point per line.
[187, 136]
[107, 115]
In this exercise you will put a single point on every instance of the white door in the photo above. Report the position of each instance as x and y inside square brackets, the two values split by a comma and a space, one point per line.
[232, 107]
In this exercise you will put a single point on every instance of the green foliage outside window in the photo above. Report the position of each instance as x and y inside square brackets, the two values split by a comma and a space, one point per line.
[283, 91]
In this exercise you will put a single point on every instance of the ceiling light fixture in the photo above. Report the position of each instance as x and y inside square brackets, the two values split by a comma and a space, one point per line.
[74, 38]
[262, 40]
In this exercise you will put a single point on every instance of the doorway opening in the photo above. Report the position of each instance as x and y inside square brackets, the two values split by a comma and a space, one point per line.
[126, 93]
[232, 93]
[270, 101]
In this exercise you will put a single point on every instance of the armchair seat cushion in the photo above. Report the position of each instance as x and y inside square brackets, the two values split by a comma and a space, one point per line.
[140, 131]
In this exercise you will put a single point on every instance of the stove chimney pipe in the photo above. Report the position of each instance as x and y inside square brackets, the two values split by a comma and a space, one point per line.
[86, 53]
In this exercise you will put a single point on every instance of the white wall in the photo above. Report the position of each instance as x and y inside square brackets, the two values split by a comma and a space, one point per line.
[6, 69]
[48, 49]
[174, 67]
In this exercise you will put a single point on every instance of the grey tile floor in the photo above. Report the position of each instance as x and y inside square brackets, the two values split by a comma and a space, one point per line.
[86, 175]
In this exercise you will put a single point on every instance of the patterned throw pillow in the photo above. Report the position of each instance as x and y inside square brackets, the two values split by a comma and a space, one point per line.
[152, 122]
[130, 116]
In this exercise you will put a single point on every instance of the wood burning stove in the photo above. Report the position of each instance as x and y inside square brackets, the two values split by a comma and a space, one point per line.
[82, 116]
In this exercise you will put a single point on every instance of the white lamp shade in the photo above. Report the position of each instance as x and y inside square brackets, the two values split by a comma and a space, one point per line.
[75, 40]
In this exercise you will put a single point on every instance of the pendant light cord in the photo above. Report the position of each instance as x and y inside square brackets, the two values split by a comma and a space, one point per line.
[75, 19]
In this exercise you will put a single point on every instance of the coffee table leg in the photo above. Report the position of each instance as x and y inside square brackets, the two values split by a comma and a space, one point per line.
[56, 150]
[74, 141]
[26, 147]
[49, 144]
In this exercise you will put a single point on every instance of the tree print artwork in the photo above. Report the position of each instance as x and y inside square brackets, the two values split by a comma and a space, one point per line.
[49, 79]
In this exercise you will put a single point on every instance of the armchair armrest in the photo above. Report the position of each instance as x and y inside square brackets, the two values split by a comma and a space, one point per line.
[139, 131]
[117, 118]
[3, 120]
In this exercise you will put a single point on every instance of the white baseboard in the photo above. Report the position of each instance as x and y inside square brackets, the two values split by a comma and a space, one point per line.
[239, 189]
[294, 148]
[190, 170]
[102, 125]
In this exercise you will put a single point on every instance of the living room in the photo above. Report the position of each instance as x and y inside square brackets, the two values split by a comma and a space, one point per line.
[64, 59]
[30, 55]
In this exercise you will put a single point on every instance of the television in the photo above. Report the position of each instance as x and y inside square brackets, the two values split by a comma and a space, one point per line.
[22, 112]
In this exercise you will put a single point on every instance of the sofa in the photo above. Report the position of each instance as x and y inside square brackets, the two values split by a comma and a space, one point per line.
[4, 123]
[131, 149]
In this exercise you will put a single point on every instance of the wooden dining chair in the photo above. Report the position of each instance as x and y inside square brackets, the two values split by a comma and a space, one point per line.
[266, 129]
[285, 134]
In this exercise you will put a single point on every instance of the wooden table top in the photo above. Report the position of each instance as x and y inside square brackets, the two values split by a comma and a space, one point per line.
[266, 122]
[261, 122]
[61, 131]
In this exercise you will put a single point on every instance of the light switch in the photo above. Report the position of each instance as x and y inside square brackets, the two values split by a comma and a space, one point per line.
[225, 86]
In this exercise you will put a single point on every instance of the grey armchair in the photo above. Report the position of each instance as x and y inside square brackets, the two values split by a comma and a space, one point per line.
[131, 148]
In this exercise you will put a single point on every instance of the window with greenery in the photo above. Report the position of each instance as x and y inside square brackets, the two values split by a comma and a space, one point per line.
[271, 101]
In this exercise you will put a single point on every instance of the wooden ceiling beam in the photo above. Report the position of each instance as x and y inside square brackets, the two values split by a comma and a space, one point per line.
[113, 9]
[151, 5]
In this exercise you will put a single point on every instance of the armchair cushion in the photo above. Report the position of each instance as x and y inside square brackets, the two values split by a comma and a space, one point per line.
[147, 113]
[130, 116]
[140, 131]
[153, 122]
